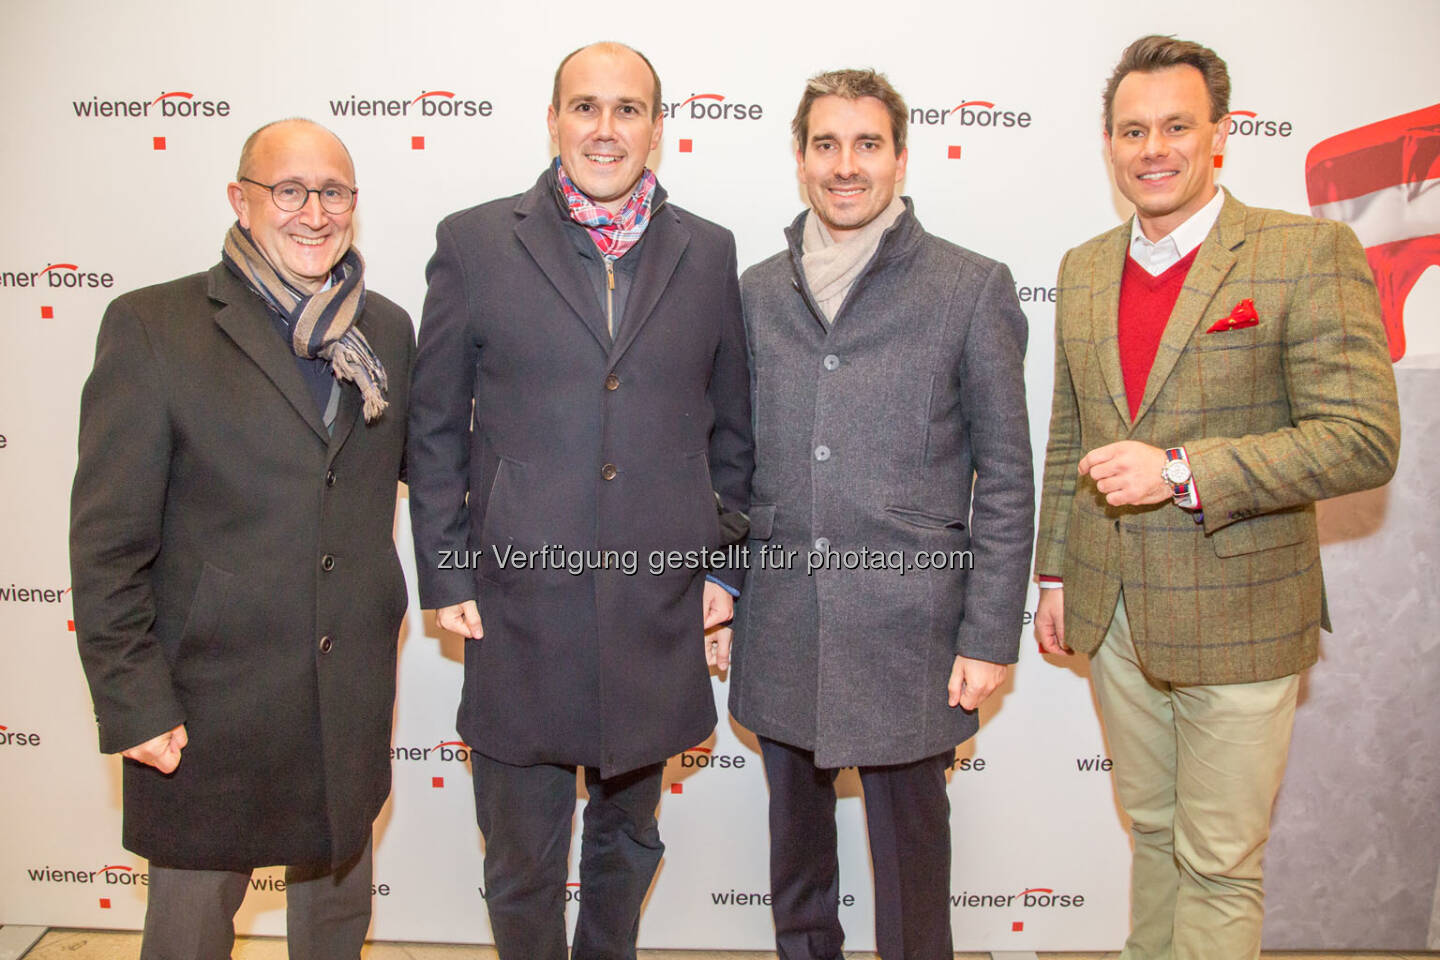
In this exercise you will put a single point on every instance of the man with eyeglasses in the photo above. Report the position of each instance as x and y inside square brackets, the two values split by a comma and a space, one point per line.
[581, 388]
[237, 593]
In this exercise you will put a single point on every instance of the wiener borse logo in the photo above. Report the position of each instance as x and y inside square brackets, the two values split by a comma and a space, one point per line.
[174, 103]
[58, 276]
[972, 114]
[448, 751]
[112, 874]
[711, 106]
[10, 737]
[1247, 123]
[429, 103]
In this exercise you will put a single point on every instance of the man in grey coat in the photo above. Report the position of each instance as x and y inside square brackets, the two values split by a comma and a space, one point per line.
[891, 520]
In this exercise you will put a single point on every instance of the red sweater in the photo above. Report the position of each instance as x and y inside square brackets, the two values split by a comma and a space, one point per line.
[1146, 303]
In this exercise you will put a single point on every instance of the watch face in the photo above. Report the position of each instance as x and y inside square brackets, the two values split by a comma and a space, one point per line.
[1177, 472]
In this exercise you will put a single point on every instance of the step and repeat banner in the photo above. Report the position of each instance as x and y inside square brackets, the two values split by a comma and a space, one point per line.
[123, 123]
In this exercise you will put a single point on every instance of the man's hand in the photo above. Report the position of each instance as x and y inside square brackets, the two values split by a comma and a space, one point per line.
[162, 752]
[1127, 472]
[971, 681]
[719, 609]
[1050, 621]
[462, 618]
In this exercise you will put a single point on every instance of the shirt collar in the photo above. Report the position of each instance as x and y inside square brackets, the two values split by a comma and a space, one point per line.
[1176, 245]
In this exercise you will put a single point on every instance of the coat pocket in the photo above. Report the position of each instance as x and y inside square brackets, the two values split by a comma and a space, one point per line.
[1265, 532]
[762, 521]
[925, 518]
[212, 594]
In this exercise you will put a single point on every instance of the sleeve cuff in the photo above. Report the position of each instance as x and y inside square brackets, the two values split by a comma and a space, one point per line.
[723, 585]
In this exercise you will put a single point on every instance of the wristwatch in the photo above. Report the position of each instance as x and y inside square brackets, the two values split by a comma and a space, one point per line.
[1177, 472]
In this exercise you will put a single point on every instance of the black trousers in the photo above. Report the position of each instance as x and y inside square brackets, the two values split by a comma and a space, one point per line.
[190, 914]
[907, 815]
[525, 815]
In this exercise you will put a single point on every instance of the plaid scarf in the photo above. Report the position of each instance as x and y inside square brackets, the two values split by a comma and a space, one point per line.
[321, 324]
[614, 233]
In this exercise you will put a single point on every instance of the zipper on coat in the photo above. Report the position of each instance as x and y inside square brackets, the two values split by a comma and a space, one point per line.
[610, 296]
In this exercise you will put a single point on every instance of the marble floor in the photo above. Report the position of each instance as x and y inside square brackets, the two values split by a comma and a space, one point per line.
[107, 945]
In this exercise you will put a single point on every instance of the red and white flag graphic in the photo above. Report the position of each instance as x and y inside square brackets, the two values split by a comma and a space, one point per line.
[1383, 179]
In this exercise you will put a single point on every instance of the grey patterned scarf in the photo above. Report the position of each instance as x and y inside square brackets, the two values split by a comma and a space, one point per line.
[322, 324]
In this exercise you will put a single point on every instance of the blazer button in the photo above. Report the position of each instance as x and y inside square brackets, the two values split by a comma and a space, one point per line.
[608, 471]
[831, 362]
[822, 453]
[327, 563]
[612, 382]
[326, 643]
[329, 478]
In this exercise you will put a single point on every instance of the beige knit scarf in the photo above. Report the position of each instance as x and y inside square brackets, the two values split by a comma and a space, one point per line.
[831, 266]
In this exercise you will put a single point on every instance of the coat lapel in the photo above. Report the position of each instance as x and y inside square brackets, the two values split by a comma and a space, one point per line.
[543, 236]
[665, 241]
[1107, 269]
[1213, 262]
[245, 321]
[351, 403]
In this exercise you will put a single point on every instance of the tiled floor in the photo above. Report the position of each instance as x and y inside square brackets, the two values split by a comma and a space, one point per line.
[105, 945]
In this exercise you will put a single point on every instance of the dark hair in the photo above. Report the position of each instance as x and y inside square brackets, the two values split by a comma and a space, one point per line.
[851, 85]
[613, 47]
[1155, 52]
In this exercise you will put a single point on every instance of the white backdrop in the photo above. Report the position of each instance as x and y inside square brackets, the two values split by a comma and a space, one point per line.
[100, 201]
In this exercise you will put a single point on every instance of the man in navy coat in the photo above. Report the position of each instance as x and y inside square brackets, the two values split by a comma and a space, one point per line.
[580, 423]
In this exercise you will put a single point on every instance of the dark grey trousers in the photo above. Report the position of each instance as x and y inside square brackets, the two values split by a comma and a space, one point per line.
[190, 914]
[526, 816]
[907, 815]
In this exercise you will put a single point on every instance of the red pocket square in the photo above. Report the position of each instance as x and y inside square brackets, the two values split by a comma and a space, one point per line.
[1243, 315]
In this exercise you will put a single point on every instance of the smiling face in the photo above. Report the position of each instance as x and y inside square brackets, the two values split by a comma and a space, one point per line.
[848, 163]
[1162, 146]
[604, 127]
[302, 246]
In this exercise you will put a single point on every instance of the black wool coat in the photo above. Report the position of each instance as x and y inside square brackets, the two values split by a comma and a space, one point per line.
[581, 445]
[234, 570]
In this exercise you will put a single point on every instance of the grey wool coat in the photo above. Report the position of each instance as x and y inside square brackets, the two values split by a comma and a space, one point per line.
[898, 431]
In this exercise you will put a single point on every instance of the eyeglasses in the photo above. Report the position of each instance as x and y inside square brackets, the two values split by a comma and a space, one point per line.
[292, 195]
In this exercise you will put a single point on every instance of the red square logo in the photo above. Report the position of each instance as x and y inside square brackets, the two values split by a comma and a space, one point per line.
[954, 152]
[417, 143]
[70, 625]
[687, 146]
[437, 782]
[104, 903]
[1017, 926]
[47, 313]
[677, 788]
[158, 143]
[1219, 160]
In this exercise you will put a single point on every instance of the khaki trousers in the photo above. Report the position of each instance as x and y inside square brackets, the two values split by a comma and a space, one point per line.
[1196, 768]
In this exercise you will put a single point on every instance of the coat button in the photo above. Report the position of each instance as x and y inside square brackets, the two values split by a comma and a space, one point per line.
[822, 544]
[612, 382]
[329, 478]
[327, 563]
[822, 453]
[326, 643]
[608, 471]
[831, 362]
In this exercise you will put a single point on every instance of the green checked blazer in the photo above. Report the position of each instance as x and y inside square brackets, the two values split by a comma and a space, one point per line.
[1274, 417]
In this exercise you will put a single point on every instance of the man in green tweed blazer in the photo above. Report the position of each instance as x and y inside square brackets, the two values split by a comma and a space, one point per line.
[1218, 369]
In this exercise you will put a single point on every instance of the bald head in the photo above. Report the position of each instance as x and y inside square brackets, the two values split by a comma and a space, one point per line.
[276, 134]
[608, 48]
